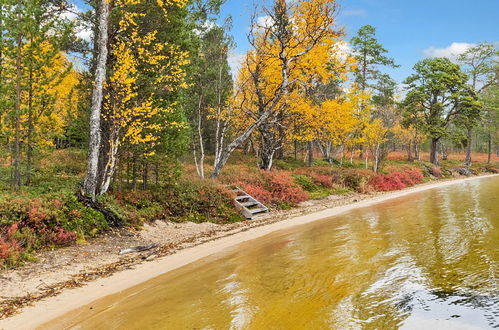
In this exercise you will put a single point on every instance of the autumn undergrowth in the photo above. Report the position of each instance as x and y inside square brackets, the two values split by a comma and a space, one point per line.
[46, 214]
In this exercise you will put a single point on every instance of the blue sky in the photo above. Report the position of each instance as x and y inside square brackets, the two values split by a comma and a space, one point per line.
[409, 29]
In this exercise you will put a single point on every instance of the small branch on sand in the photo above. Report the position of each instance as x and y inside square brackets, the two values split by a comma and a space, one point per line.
[138, 248]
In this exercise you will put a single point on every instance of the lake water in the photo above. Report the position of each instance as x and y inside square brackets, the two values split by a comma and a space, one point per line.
[426, 260]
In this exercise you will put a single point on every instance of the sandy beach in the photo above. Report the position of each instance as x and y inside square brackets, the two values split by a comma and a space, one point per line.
[191, 243]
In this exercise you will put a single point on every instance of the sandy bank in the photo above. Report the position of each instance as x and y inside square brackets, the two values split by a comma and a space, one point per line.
[207, 240]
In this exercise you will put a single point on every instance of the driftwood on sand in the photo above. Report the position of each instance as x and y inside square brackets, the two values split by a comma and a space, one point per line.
[139, 248]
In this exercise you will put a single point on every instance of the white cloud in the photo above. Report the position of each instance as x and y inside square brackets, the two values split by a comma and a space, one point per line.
[263, 22]
[206, 27]
[452, 52]
[354, 12]
[72, 14]
[85, 34]
[342, 50]
[235, 62]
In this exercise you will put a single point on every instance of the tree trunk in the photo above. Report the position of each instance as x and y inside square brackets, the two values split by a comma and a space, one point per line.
[467, 160]
[377, 158]
[156, 173]
[295, 145]
[200, 163]
[409, 153]
[29, 151]
[145, 176]
[225, 152]
[443, 148]
[310, 147]
[434, 151]
[128, 173]
[268, 148]
[90, 184]
[489, 142]
[134, 172]
[109, 161]
[17, 139]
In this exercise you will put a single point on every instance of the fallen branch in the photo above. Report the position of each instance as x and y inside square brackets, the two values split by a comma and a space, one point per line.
[139, 248]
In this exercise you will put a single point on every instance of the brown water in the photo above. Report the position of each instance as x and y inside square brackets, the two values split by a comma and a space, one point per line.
[426, 260]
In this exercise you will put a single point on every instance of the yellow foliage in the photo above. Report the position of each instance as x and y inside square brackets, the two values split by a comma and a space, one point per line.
[131, 110]
[324, 62]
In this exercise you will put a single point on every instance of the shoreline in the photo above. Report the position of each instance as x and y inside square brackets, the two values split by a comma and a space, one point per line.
[45, 310]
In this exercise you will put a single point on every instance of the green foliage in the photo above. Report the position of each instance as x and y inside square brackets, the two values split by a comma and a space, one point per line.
[437, 94]
[370, 54]
[187, 200]
[305, 182]
[288, 164]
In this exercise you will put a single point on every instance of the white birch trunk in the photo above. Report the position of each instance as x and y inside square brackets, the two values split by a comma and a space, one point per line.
[90, 184]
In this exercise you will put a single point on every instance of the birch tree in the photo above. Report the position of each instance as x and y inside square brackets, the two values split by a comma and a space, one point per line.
[90, 183]
[282, 37]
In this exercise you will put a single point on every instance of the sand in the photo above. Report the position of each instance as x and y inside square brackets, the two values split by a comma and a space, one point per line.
[207, 239]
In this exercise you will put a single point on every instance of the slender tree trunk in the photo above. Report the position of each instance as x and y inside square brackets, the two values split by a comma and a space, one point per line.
[310, 147]
[156, 173]
[296, 149]
[417, 153]
[376, 159]
[111, 159]
[134, 173]
[119, 173]
[434, 151]
[200, 164]
[145, 176]
[268, 148]
[489, 151]
[467, 160]
[29, 151]
[443, 148]
[17, 139]
[226, 151]
[90, 185]
[128, 173]
[409, 153]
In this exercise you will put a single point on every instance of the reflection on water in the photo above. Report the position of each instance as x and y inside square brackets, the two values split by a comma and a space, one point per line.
[428, 257]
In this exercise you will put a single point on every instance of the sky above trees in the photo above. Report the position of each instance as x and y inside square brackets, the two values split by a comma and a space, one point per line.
[410, 30]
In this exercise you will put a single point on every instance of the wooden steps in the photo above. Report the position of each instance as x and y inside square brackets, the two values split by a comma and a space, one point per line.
[247, 204]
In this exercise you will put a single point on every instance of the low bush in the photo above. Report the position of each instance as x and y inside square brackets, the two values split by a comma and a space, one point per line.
[305, 182]
[28, 224]
[188, 200]
[436, 172]
[396, 180]
[322, 180]
[276, 188]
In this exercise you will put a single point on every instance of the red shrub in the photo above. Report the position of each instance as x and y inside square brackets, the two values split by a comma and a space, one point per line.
[270, 187]
[283, 188]
[8, 248]
[62, 237]
[258, 192]
[416, 175]
[388, 182]
[322, 180]
[396, 180]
